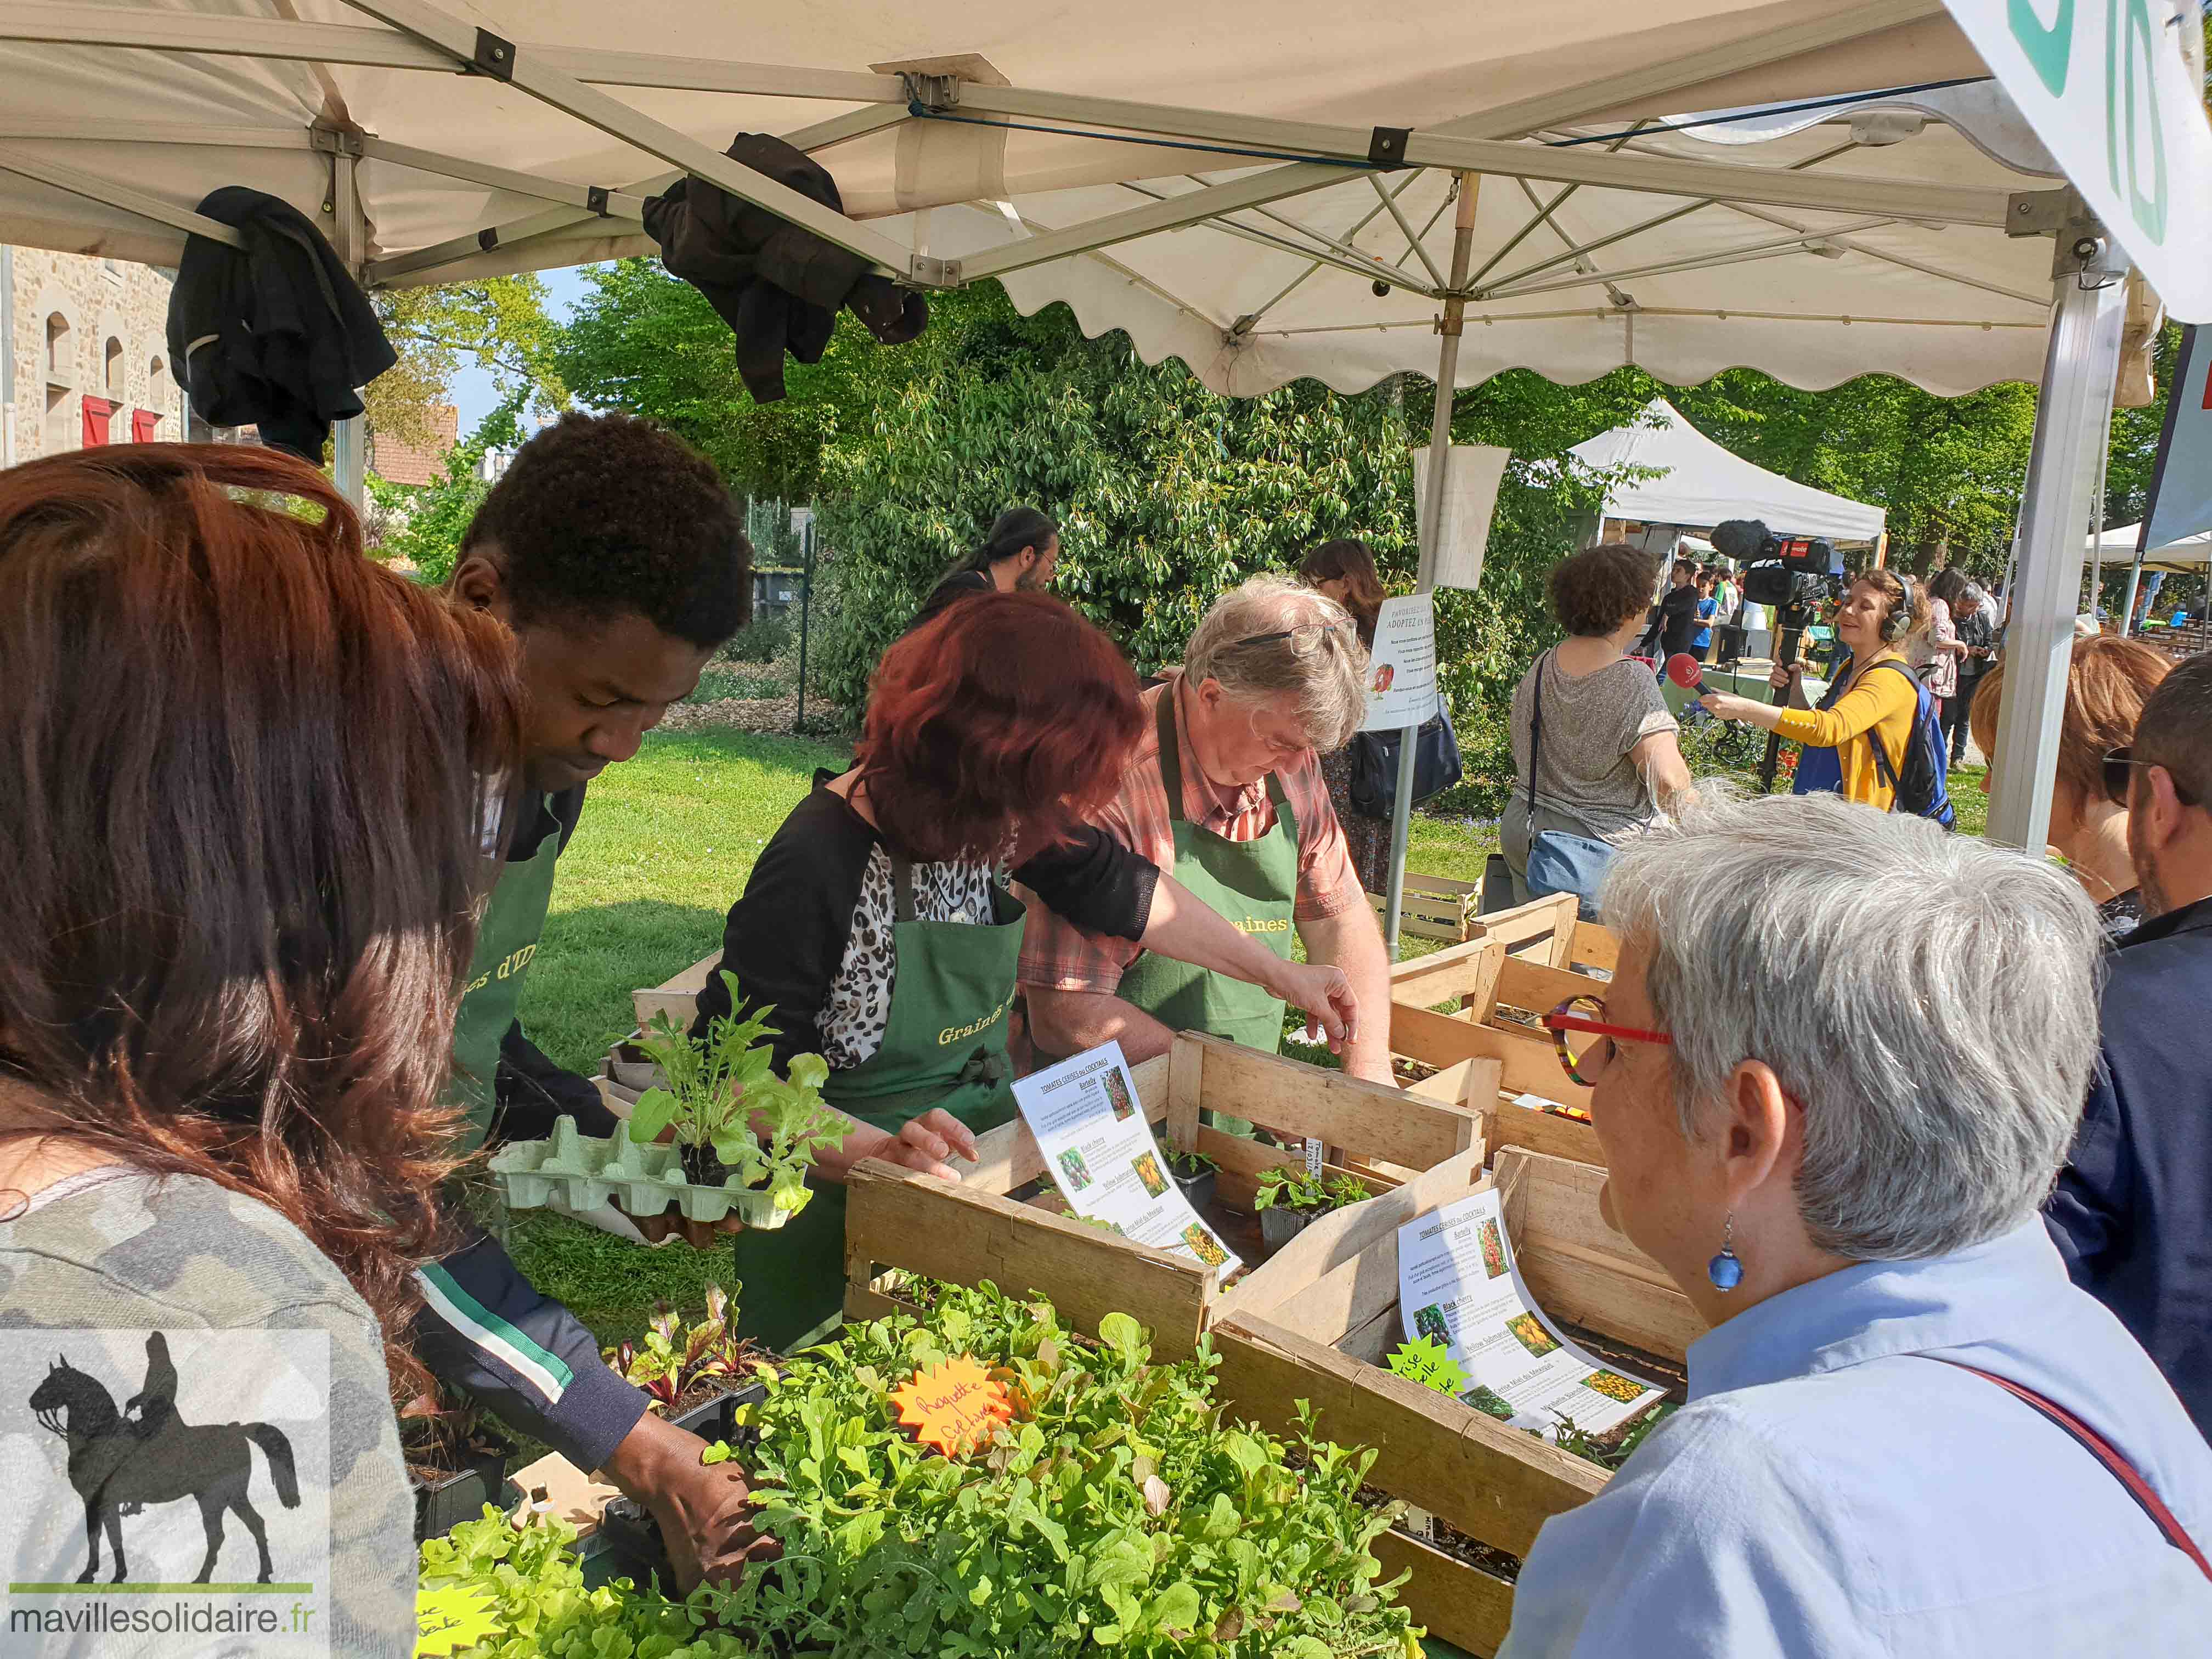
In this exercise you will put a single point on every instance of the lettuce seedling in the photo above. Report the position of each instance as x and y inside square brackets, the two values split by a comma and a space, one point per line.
[720, 1092]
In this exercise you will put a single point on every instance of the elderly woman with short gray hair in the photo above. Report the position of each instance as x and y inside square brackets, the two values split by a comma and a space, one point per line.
[1833, 1124]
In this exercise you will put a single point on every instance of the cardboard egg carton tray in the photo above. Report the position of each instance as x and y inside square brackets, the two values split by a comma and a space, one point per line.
[642, 1180]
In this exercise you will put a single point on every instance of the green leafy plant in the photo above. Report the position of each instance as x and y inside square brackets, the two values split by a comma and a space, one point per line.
[1611, 1450]
[675, 1358]
[1187, 1164]
[720, 1094]
[1116, 1509]
[1298, 1190]
[530, 1585]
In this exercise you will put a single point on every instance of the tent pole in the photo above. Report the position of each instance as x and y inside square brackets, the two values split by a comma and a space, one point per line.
[1433, 525]
[2097, 515]
[349, 238]
[2090, 307]
[2134, 585]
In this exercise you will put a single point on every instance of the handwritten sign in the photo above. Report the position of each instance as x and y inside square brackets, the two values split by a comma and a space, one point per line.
[952, 1406]
[458, 1616]
[1424, 1361]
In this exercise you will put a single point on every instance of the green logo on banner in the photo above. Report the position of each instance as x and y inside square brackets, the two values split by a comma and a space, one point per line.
[2050, 49]
[2133, 46]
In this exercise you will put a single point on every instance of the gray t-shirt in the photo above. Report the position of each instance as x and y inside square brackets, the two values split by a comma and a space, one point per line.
[1591, 721]
[190, 1328]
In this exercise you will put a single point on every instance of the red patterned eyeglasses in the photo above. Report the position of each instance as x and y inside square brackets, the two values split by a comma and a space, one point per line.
[1586, 1042]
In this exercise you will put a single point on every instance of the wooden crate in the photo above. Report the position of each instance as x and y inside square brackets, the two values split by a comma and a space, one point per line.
[1465, 1045]
[1433, 907]
[678, 998]
[1282, 1343]
[973, 1230]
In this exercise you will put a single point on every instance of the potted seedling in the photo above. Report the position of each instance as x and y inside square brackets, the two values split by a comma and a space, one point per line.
[1290, 1200]
[693, 1373]
[739, 1140]
[456, 1464]
[1194, 1173]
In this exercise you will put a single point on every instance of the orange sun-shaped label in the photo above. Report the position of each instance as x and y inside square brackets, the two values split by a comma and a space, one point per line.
[952, 1406]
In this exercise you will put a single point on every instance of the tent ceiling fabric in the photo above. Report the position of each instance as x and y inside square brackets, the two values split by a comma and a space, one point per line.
[2190, 553]
[1699, 483]
[1814, 297]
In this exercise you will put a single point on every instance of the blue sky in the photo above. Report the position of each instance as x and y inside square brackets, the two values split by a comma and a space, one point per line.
[474, 390]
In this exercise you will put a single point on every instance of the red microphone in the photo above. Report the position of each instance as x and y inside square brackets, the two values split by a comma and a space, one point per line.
[1687, 672]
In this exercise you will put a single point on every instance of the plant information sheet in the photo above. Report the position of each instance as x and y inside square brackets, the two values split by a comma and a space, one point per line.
[1401, 684]
[1092, 1130]
[1457, 1284]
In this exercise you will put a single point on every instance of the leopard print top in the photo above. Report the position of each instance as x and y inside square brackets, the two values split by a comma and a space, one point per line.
[857, 1010]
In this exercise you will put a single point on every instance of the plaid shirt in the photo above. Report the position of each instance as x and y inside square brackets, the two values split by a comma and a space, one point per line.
[1059, 955]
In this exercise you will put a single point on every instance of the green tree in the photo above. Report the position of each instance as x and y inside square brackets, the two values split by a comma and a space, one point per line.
[642, 341]
[498, 324]
[426, 525]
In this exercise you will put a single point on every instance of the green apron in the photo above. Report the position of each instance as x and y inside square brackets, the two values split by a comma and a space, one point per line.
[1254, 885]
[945, 1045]
[506, 941]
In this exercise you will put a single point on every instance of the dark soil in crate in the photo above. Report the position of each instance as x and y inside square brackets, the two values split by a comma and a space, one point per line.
[444, 1497]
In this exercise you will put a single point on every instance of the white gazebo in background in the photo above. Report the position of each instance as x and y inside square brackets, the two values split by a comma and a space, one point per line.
[1951, 190]
[1688, 481]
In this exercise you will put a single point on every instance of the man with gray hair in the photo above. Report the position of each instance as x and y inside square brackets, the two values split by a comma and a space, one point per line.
[1226, 791]
[2133, 1210]
[1833, 1078]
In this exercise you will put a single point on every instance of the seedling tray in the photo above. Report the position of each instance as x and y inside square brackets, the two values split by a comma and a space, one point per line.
[589, 1170]
[443, 1504]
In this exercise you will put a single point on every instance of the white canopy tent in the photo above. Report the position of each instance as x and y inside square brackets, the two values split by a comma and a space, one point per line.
[2184, 557]
[1693, 480]
[1286, 189]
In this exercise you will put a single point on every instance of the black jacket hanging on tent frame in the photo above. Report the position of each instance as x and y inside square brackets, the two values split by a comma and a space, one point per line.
[777, 286]
[279, 335]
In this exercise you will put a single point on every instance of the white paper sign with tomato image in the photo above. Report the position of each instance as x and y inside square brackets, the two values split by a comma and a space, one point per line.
[1401, 669]
[1088, 1124]
[1458, 1285]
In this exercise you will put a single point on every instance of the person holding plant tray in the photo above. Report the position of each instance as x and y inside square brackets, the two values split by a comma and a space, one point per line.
[877, 931]
[243, 820]
[1907, 1431]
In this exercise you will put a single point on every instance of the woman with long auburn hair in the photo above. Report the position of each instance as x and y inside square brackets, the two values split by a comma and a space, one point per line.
[249, 788]
[877, 928]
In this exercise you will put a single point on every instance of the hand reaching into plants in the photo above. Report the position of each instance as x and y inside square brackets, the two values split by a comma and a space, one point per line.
[925, 1144]
[1326, 995]
[705, 1509]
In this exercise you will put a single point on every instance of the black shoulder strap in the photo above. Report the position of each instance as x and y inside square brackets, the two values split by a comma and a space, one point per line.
[1535, 728]
[901, 885]
[1874, 733]
[1171, 751]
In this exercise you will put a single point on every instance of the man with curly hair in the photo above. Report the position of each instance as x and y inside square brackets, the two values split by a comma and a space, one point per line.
[616, 555]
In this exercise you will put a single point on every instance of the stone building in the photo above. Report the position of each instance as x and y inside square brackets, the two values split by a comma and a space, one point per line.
[87, 358]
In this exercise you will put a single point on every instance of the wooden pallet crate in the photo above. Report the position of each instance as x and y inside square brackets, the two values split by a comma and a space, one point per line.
[1324, 1342]
[1488, 1060]
[973, 1230]
[1433, 907]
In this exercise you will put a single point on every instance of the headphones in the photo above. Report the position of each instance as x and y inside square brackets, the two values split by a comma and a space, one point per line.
[1900, 620]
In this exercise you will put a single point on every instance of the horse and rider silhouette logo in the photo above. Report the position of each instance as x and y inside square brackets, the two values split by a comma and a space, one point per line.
[122, 1462]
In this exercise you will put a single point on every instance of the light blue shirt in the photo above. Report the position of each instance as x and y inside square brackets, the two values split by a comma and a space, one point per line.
[1827, 1492]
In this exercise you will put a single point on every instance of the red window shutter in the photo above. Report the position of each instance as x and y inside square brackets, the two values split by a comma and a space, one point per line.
[144, 424]
[96, 413]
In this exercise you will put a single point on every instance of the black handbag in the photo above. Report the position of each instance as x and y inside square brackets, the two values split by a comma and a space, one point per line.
[1375, 765]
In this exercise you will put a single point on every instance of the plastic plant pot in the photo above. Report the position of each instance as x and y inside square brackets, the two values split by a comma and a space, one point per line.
[642, 1182]
[1197, 1182]
[630, 1537]
[1280, 1224]
[443, 1504]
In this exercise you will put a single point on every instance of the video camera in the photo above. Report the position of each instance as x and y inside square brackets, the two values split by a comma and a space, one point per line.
[1792, 573]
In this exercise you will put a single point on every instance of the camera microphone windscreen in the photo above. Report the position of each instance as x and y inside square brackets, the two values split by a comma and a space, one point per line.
[1740, 539]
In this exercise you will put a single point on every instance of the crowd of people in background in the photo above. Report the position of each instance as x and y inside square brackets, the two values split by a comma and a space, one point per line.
[1945, 1201]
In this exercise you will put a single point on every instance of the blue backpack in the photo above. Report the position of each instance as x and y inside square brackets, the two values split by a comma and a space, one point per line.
[1920, 786]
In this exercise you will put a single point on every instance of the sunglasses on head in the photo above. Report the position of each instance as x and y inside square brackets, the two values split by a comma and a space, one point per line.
[1305, 639]
[2119, 776]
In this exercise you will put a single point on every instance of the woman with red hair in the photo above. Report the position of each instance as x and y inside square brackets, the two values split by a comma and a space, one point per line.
[248, 806]
[876, 929]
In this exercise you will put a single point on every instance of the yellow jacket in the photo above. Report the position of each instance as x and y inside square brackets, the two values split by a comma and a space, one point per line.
[1877, 706]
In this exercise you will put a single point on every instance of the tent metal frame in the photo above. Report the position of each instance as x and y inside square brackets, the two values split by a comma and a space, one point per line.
[414, 35]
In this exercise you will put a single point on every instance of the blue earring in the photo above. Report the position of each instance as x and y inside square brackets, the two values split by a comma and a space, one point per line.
[1726, 1269]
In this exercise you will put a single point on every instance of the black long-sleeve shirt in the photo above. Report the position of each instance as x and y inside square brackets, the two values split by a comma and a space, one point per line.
[786, 937]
